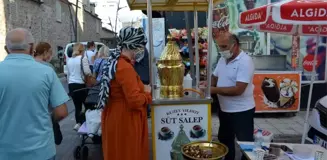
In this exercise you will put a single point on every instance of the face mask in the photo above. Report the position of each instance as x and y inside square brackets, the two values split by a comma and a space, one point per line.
[139, 55]
[226, 54]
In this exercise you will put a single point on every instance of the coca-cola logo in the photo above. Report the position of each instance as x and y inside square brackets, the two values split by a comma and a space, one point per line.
[222, 23]
[308, 62]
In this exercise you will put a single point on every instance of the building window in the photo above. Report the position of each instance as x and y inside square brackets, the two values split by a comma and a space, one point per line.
[97, 26]
[58, 11]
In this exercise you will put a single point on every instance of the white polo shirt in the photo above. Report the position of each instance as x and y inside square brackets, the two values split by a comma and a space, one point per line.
[89, 54]
[241, 69]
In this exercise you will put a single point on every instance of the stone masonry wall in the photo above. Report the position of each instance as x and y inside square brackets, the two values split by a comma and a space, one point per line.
[41, 20]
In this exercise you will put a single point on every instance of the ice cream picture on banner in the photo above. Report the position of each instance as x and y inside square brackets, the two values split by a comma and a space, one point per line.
[280, 95]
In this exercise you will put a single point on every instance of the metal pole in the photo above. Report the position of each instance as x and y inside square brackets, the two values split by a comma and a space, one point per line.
[117, 18]
[190, 47]
[151, 56]
[313, 77]
[209, 53]
[76, 19]
[196, 39]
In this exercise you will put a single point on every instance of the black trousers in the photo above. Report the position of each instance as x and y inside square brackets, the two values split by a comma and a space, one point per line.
[238, 125]
[78, 99]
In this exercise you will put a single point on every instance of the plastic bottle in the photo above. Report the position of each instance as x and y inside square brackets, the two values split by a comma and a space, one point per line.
[187, 82]
[258, 140]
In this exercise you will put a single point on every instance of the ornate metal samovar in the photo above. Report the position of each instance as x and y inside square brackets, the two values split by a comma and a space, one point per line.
[171, 71]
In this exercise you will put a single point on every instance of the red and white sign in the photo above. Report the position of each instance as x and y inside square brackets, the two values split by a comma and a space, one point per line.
[313, 29]
[295, 17]
[308, 62]
[273, 27]
[255, 16]
[301, 12]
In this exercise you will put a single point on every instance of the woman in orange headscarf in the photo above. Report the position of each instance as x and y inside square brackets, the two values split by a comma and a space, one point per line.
[124, 99]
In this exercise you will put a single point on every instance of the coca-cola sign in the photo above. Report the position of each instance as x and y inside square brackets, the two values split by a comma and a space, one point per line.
[222, 23]
[308, 62]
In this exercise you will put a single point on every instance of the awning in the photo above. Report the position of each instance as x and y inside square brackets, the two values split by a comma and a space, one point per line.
[172, 5]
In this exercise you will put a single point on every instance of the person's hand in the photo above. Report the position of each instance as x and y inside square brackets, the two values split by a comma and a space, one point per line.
[147, 88]
[203, 84]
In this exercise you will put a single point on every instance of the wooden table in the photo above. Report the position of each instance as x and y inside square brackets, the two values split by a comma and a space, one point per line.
[251, 156]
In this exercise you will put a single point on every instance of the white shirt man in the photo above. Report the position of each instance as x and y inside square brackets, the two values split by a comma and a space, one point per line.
[232, 82]
[90, 52]
[240, 69]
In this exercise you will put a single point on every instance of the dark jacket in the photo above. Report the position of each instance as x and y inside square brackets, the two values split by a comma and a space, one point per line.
[142, 68]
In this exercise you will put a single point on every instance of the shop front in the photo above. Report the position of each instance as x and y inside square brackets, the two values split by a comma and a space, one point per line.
[282, 54]
[283, 62]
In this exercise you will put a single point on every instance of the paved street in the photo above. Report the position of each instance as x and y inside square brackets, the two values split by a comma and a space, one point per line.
[285, 129]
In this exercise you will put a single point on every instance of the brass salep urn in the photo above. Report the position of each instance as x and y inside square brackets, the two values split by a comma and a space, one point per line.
[171, 71]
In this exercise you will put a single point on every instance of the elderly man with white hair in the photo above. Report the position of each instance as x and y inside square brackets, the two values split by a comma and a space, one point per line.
[27, 89]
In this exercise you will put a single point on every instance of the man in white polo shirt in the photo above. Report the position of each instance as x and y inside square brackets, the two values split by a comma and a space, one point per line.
[232, 82]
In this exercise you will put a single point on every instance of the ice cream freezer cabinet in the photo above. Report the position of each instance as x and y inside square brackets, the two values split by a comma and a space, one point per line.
[277, 91]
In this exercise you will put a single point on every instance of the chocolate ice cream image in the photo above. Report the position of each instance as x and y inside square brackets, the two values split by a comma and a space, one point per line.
[270, 89]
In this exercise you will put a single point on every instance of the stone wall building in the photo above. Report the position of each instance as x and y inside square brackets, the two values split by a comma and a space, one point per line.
[51, 21]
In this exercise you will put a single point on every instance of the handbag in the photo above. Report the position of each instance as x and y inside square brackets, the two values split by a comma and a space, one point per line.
[89, 80]
[93, 94]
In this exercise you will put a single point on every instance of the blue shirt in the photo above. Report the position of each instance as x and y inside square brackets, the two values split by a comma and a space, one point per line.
[27, 88]
[97, 69]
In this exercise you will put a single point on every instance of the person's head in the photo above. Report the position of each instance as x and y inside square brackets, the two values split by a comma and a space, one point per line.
[103, 52]
[249, 4]
[229, 45]
[19, 40]
[90, 45]
[43, 51]
[78, 49]
[132, 42]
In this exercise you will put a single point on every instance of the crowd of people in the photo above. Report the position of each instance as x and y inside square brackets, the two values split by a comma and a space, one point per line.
[32, 98]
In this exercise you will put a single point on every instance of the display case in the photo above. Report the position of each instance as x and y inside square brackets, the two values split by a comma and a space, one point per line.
[180, 36]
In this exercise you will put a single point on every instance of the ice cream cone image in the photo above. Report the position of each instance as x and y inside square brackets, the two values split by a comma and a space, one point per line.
[288, 89]
[283, 100]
